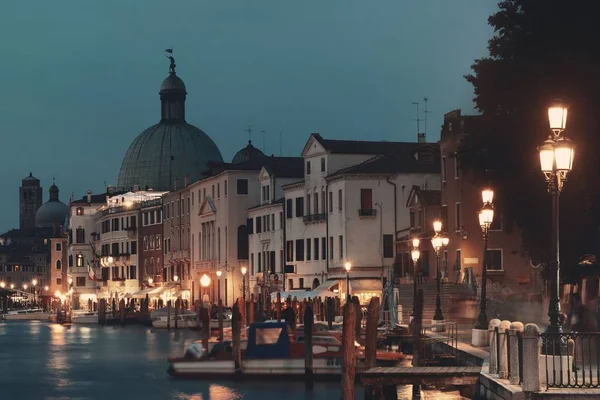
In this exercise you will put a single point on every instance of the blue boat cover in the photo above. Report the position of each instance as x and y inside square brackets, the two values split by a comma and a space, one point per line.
[268, 340]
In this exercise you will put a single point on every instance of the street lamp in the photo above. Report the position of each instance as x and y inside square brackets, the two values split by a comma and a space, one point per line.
[438, 241]
[34, 282]
[556, 161]
[348, 267]
[150, 281]
[205, 281]
[219, 273]
[244, 270]
[415, 254]
[2, 284]
[175, 278]
[12, 285]
[486, 217]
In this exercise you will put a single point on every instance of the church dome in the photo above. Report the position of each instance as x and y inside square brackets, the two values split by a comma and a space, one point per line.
[171, 149]
[53, 212]
[248, 153]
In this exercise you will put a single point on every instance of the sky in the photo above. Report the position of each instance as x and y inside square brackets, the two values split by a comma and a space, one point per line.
[80, 80]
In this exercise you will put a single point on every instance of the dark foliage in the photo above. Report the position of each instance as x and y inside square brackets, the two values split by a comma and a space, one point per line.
[541, 50]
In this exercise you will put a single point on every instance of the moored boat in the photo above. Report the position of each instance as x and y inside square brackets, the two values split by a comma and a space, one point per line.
[88, 318]
[30, 314]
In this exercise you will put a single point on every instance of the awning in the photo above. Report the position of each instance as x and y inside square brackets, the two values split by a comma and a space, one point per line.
[141, 294]
[302, 294]
[365, 285]
[326, 286]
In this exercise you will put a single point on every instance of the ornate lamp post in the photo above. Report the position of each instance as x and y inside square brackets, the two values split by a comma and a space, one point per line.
[556, 161]
[486, 217]
[415, 254]
[348, 267]
[438, 241]
[244, 270]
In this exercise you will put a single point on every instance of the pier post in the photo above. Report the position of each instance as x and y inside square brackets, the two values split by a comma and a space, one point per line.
[242, 309]
[251, 310]
[169, 315]
[102, 312]
[122, 311]
[330, 316]
[197, 306]
[417, 324]
[236, 321]
[503, 349]
[278, 307]
[176, 312]
[513, 348]
[493, 346]
[308, 347]
[296, 313]
[348, 339]
[220, 317]
[371, 340]
[358, 320]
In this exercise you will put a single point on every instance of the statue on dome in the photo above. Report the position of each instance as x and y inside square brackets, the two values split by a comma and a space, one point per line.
[170, 57]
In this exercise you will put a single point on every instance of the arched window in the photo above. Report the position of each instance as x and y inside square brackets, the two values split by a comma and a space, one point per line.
[242, 242]
[79, 211]
[146, 270]
[58, 264]
[79, 260]
[152, 266]
[315, 283]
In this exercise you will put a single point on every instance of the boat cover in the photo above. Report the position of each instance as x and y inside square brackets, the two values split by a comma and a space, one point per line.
[268, 340]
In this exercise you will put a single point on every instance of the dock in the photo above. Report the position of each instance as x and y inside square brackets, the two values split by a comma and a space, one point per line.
[429, 376]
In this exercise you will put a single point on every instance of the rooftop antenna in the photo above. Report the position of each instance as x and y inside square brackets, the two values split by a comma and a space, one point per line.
[263, 133]
[425, 100]
[280, 143]
[418, 119]
[249, 130]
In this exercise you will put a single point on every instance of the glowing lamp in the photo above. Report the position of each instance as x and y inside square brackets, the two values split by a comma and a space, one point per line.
[415, 242]
[445, 241]
[2, 285]
[564, 152]
[348, 266]
[437, 226]
[150, 280]
[557, 116]
[487, 195]
[437, 242]
[175, 278]
[219, 273]
[547, 156]
[415, 255]
[205, 280]
[244, 270]
[34, 282]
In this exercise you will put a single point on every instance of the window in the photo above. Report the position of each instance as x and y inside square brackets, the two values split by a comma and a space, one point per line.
[289, 249]
[259, 262]
[388, 246]
[132, 272]
[308, 249]
[340, 199]
[58, 246]
[152, 220]
[301, 283]
[80, 235]
[458, 262]
[323, 249]
[456, 167]
[252, 263]
[250, 225]
[133, 223]
[458, 217]
[225, 188]
[316, 244]
[134, 247]
[58, 264]
[299, 206]
[444, 216]
[331, 247]
[308, 168]
[80, 281]
[281, 220]
[366, 199]
[258, 225]
[316, 200]
[288, 208]
[341, 246]
[444, 169]
[330, 201]
[145, 242]
[496, 223]
[300, 250]
[272, 222]
[79, 211]
[290, 284]
[494, 260]
[242, 186]
[71, 260]
[193, 198]
[218, 190]
[79, 260]
[58, 281]
[323, 164]
[308, 204]
[242, 242]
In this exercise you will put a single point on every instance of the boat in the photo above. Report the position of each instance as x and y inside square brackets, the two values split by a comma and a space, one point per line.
[269, 353]
[29, 314]
[86, 317]
[160, 321]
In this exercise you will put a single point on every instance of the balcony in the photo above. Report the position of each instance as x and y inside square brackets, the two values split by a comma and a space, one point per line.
[367, 212]
[314, 218]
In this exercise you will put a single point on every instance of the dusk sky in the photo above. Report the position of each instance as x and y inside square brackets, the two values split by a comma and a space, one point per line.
[80, 80]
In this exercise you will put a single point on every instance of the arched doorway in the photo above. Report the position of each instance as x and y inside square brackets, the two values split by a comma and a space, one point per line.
[315, 283]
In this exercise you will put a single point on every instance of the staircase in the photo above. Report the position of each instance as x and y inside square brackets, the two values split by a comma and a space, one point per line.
[456, 299]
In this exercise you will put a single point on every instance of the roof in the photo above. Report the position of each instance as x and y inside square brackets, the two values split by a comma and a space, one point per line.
[426, 197]
[248, 153]
[96, 199]
[273, 203]
[283, 167]
[410, 158]
[337, 146]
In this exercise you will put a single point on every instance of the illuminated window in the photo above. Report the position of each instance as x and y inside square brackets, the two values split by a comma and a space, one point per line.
[79, 260]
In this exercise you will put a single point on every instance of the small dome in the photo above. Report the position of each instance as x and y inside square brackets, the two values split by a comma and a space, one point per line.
[172, 83]
[53, 212]
[248, 153]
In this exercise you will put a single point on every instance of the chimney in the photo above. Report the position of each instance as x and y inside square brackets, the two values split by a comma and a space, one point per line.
[175, 184]
[89, 196]
[186, 181]
[421, 138]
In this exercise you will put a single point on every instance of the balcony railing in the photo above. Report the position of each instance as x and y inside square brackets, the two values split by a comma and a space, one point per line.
[314, 218]
[367, 212]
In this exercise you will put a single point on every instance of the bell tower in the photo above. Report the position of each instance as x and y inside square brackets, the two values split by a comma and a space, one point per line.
[30, 199]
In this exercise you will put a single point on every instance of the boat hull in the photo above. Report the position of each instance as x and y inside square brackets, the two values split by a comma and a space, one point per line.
[27, 317]
[86, 320]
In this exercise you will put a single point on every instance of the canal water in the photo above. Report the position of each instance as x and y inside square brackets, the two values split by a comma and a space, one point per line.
[48, 361]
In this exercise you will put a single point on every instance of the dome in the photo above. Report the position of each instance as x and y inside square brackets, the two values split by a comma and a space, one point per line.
[169, 150]
[247, 153]
[53, 212]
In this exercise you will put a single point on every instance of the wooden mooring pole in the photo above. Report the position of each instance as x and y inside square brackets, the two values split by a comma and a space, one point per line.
[176, 313]
[278, 307]
[236, 322]
[308, 346]
[122, 311]
[169, 315]
[220, 317]
[348, 339]
[371, 340]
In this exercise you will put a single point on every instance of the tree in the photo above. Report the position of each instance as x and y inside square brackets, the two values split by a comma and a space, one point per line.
[541, 50]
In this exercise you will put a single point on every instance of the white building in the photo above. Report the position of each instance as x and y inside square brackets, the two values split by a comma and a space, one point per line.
[117, 224]
[82, 234]
[266, 224]
[350, 207]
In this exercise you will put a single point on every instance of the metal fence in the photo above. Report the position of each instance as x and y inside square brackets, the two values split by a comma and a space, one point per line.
[572, 359]
[435, 334]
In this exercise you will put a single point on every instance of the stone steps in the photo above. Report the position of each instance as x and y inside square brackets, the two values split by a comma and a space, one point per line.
[450, 294]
